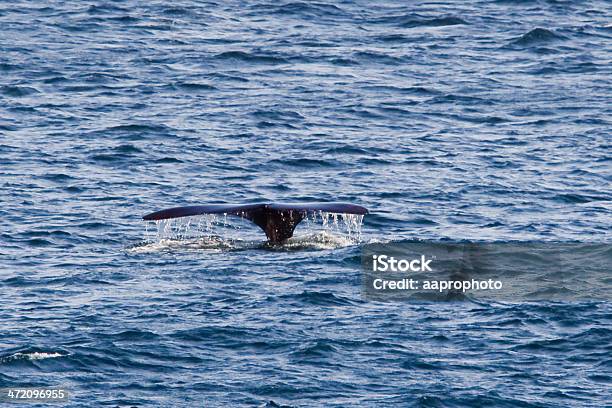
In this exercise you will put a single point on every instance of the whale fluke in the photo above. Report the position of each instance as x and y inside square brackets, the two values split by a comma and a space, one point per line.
[278, 220]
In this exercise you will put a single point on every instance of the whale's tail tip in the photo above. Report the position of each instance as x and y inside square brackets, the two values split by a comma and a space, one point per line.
[277, 220]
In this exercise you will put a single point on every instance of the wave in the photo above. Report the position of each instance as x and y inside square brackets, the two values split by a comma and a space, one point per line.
[106, 8]
[250, 57]
[302, 163]
[132, 131]
[194, 87]
[8, 67]
[579, 198]
[309, 9]
[18, 91]
[138, 128]
[393, 38]
[169, 160]
[343, 62]
[286, 115]
[415, 20]
[538, 36]
[177, 11]
[377, 57]
[29, 356]
[226, 77]
[318, 298]
[433, 22]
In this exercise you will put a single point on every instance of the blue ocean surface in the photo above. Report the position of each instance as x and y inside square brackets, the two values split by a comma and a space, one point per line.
[484, 121]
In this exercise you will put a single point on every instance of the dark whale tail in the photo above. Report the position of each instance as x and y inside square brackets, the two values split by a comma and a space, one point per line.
[276, 219]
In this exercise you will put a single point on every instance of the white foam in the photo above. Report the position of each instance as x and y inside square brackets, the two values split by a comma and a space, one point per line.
[166, 244]
[32, 356]
[320, 240]
[42, 356]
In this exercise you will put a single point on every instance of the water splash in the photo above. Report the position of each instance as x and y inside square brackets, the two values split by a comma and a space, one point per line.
[210, 243]
[220, 232]
[349, 225]
[185, 228]
[321, 240]
[36, 355]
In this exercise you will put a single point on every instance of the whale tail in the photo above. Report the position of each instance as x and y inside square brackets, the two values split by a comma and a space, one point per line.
[277, 220]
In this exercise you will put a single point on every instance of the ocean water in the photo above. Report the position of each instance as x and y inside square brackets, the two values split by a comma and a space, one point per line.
[485, 121]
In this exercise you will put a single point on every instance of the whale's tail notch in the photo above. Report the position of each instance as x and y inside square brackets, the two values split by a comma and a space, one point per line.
[277, 220]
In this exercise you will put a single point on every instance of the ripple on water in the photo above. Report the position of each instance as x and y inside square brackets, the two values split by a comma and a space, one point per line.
[472, 121]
